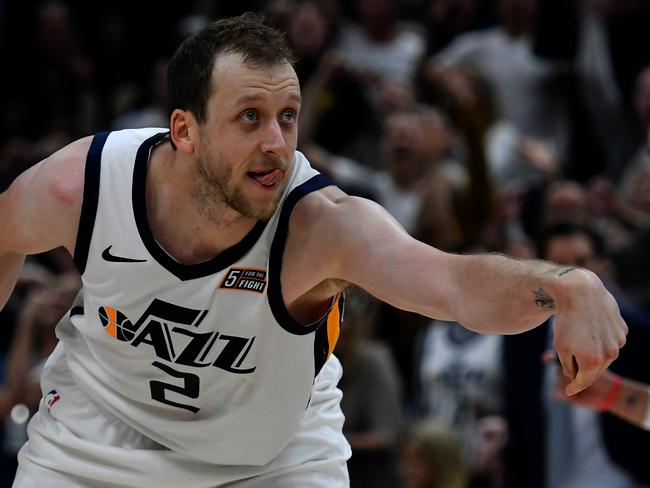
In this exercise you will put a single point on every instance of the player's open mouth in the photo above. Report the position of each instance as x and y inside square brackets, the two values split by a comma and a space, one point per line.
[267, 179]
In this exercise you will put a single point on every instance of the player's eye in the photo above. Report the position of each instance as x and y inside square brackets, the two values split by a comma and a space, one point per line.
[289, 115]
[249, 115]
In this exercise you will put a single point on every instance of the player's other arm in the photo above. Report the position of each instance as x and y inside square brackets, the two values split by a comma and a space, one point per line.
[611, 393]
[487, 293]
[40, 211]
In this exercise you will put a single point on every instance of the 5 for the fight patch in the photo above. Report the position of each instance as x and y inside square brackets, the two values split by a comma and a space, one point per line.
[245, 279]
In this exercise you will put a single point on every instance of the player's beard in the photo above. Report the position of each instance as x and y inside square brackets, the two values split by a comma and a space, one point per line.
[214, 189]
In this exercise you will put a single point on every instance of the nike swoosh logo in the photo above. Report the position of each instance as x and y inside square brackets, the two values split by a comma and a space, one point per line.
[119, 259]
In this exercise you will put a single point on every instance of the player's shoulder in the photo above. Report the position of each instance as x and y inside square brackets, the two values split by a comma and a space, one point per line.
[60, 175]
[324, 207]
[42, 206]
[331, 208]
[331, 224]
[65, 170]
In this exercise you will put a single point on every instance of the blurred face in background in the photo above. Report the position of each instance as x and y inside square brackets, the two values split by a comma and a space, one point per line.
[431, 458]
[571, 250]
[640, 192]
[55, 31]
[577, 249]
[411, 143]
[417, 472]
[308, 29]
[566, 202]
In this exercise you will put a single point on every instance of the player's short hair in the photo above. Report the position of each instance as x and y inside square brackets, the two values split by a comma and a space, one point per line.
[189, 74]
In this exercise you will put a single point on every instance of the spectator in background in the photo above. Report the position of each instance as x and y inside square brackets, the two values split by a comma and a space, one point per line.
[432, 458]
[372, 400]
[621, 214]
[565, 202]
[633, 261]
[447, 19]
[528, 91]
[413, 143]
[151, 110]
[595, 204]
[641, 159]
[461, 385]
[65, 78]
[554, 202]
[635, 184]
[47, 299]
[600, 39]
[383, 54]
[380, 47]
[499, 162]
[553, 445]
[310, 33]
[616, 219]
[331, 89]
[613, 394]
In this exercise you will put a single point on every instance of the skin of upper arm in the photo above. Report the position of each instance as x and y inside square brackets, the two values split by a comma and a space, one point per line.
[40, 210]
[355, 240]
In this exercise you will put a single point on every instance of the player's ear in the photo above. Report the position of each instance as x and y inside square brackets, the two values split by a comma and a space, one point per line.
[183, 132]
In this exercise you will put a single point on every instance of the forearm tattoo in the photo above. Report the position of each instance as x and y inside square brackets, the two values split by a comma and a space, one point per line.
[543, 299]
[631, 399]
[565, 271]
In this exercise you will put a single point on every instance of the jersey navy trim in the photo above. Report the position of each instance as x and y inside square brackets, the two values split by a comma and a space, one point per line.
[276, 302]
[78, 310]
[181, 271]
[90, 199]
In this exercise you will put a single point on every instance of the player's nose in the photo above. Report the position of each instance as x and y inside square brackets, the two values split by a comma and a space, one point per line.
[273, 139]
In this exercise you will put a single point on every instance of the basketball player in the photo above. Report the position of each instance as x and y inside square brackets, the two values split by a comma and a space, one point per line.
[213, 261]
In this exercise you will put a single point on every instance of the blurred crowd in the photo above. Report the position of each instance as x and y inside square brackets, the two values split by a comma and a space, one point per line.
[511, 126]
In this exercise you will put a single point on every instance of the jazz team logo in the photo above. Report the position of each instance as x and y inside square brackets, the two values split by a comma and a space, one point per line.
[245, 279]
[181, 348]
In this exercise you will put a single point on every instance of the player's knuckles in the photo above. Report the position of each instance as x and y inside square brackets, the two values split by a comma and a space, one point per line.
[624, 329]
[589, 360]
[610, 353]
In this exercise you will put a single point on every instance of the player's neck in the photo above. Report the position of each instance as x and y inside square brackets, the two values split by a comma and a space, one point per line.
[190, 228]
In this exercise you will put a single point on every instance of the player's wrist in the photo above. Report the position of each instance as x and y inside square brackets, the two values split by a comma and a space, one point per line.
[613, 393]
[569, 285]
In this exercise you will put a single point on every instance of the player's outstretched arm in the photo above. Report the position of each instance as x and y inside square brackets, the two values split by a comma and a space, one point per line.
[40, 211]
[493, 294]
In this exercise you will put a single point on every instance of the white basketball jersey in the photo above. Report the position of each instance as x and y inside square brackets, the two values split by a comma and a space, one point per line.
[461, 377]
[203, 359]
